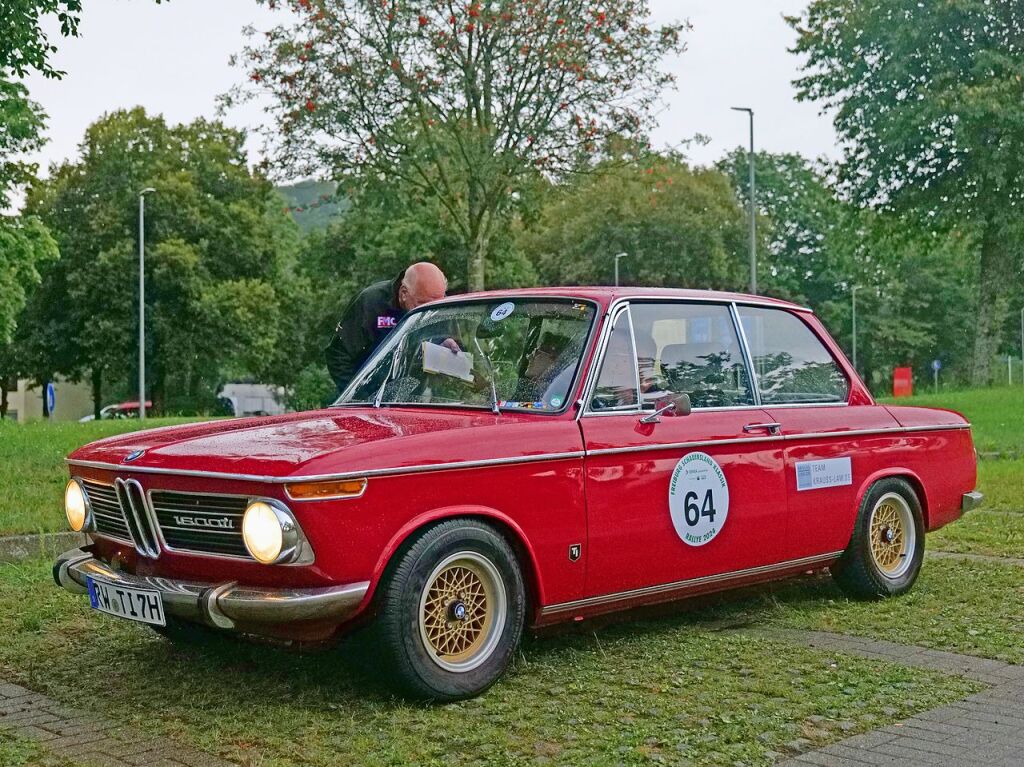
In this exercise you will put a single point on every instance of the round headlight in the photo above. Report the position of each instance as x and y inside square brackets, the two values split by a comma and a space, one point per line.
[263, 532]
[75, 506]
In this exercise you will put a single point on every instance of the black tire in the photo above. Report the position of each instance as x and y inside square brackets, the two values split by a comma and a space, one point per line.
[405, 619]
[888, 564]
[182, 632]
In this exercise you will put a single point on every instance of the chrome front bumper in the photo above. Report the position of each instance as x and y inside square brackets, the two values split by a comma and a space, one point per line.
[971, 501]
[223, 605]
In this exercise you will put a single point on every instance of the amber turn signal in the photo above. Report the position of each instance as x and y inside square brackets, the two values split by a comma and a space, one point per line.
[326, 491]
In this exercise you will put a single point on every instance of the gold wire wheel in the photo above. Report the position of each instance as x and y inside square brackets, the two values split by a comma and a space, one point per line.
[462, 610]
[893, 536]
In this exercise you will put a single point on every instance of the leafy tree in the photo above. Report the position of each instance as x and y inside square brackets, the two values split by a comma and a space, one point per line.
[929, 100]
[461, 102]
[800, 214]
[219, 251]
[680, 227]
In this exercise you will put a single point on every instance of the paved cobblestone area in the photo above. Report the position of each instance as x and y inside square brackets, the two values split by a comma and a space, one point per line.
[984, 730]
[86, 739]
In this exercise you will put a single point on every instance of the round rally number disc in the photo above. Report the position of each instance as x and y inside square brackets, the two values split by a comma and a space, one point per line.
[698, 499]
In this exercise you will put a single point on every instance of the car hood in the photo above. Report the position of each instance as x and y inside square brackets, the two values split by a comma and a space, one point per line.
[344, 440]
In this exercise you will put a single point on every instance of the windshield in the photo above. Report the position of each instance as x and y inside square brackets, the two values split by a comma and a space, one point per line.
[505, 354]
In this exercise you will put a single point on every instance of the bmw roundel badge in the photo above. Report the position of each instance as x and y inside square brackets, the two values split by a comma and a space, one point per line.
[133, 456]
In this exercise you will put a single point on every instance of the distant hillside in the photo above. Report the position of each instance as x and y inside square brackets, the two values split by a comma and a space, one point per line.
[312, 204]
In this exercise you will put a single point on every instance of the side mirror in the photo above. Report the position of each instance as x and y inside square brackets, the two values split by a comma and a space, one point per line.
[672, 405]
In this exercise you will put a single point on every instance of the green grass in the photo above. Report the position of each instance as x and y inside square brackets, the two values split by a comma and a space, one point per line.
[661, 690]
[16, 751]
[997, 414]
[967, 607]
[32, 470]
[1002, 482]
[992, 533]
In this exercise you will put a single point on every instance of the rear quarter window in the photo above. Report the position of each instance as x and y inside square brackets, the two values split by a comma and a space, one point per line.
[791, 364]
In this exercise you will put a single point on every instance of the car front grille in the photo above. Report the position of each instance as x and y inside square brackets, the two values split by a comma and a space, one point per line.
[208, 524]
[188, 522]
[106, 511]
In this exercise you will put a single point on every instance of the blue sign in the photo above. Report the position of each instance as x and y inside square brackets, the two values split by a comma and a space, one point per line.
[51, 397]
[937, 365]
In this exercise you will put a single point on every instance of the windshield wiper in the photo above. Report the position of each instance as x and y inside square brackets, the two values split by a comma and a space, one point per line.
[490, 373]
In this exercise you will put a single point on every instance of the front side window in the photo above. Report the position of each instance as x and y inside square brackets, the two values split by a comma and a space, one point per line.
[792, 365]
[521, 354]
[690, 349]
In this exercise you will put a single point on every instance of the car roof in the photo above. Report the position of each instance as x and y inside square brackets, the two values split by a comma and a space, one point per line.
[605, 296]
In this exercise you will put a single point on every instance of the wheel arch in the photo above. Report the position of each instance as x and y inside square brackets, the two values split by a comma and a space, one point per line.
[504, 525]
[898, 472]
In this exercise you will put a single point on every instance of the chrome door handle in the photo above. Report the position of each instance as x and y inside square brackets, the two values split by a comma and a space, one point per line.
[771, 428]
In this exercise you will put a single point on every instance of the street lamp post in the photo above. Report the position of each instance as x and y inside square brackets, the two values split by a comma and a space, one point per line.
[753, 204]
[853, 291]
[142, 301]
[617, 257]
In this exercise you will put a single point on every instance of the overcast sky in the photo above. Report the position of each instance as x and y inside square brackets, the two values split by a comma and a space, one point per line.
[173, 59]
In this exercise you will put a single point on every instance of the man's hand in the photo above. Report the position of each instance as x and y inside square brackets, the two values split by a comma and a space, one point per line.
[451, 345]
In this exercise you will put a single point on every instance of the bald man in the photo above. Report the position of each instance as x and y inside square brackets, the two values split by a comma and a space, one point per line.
[375, 312]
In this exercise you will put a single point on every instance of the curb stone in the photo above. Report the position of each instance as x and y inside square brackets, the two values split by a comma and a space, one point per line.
[967, 556]
[83, 737]
[17, 548]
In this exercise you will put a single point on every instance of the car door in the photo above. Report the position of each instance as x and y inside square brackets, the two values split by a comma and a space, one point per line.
[679, 497]
[834, 439]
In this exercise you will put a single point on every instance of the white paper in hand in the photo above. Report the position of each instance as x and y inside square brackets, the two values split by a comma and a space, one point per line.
[439, 360]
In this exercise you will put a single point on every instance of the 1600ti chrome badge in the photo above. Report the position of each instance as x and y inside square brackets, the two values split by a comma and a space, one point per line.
[575, 552]
[133, 456]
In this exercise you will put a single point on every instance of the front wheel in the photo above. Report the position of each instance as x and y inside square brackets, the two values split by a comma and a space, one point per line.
[887, 548]
[452, 611]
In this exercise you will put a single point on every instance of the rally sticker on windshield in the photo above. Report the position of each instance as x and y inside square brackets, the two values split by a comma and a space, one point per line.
[698, 499]
[503, 311]
[833, 472]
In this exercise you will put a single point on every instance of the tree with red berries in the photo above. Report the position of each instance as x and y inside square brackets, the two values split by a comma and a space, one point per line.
[463, 101]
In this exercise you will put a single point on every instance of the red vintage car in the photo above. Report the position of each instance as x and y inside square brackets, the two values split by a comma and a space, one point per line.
[589, 450]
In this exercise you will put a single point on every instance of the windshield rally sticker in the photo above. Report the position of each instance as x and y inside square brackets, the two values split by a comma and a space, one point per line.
[503, 311]
[698, 499]
[814, 475]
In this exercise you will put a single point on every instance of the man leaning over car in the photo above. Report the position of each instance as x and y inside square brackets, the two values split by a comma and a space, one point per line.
[375, 312]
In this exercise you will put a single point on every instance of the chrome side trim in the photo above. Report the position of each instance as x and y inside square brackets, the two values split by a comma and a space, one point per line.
[427, 468]
[420, 469]
[779, 438]
[684, 585]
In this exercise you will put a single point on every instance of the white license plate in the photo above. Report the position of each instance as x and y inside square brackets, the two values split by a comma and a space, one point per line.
[140, 605]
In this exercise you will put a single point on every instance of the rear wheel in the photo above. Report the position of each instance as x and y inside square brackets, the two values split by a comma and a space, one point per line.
[452, 611]
[887, 548]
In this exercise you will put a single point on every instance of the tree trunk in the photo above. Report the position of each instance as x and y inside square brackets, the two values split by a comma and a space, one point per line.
[477, 261]
[97, 392]
[46, 405]
[993, 275]
[5, 386]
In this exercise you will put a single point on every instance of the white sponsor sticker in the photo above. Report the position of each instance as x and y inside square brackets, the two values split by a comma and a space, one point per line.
[833, 472]
[503, 311]
[698, 499]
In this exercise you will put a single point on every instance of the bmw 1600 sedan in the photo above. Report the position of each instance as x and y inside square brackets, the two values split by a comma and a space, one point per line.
[587, 450]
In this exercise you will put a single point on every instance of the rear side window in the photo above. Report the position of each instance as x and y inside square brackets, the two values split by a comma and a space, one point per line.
[791, 364]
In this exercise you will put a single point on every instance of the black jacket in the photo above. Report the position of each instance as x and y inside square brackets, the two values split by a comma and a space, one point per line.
[367, 321]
